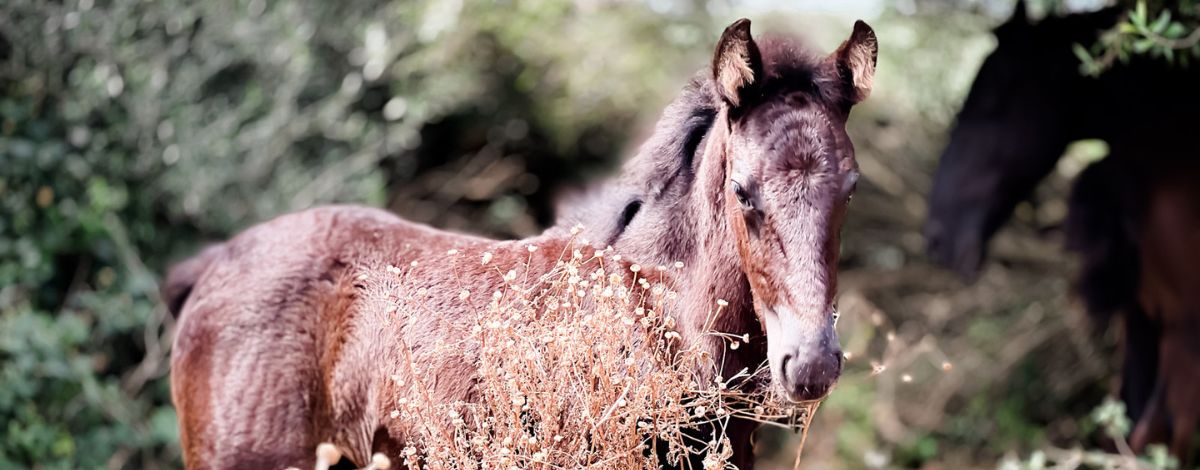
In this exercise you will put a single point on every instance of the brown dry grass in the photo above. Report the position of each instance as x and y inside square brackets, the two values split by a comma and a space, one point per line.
[582, 367]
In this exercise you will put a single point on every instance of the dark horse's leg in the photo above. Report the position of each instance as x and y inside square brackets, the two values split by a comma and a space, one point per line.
[1140, 368]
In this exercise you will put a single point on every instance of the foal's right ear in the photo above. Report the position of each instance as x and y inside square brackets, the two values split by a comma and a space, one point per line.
[737, 64]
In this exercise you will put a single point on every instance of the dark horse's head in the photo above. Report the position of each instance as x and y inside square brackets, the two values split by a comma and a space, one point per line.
[782, 169]
[1023, 109]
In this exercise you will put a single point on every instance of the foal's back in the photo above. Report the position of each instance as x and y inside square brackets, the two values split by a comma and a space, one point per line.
[292, 329]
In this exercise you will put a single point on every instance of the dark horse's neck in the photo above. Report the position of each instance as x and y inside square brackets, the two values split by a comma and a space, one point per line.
[1145, 96]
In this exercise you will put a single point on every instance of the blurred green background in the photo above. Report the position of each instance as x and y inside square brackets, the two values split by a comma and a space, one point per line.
[134, 131]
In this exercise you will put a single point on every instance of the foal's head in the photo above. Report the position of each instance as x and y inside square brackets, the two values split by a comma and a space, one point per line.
[786, 176]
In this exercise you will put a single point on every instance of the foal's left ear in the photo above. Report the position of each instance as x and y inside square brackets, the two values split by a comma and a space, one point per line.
[737, 64]
[855, 61]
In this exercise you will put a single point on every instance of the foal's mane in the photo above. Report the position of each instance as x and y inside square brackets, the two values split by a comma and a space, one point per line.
[667, 155]
[666, 164]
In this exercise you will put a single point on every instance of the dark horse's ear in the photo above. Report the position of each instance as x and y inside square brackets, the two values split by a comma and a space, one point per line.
[1019, 13]
[737, 64]
[855, 61]
[1015, 23]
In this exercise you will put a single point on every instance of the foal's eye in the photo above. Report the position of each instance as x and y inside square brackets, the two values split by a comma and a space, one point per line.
[742, 196]
[850, 184]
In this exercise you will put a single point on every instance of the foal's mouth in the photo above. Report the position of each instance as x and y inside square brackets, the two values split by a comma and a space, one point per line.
[805, 357]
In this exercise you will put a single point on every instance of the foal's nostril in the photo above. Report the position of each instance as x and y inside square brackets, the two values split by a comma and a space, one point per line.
[810, 379]
[783, 367]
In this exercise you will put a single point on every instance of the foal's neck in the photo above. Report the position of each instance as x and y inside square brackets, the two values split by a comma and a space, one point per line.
[715, 273]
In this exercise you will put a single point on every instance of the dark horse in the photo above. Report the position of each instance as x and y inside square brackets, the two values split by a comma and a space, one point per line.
[1027, 104]
[287, 336]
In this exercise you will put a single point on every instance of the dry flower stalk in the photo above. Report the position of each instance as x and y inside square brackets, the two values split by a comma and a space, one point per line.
[581, 367]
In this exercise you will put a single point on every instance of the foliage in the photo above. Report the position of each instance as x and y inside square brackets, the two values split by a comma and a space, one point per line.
[1110, 416]
[1169, 32]
[133, 130]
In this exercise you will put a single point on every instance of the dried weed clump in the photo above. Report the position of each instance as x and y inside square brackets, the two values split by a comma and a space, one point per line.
[582, 367]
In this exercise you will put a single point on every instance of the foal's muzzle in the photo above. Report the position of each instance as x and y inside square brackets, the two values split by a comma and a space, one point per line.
[804, 354]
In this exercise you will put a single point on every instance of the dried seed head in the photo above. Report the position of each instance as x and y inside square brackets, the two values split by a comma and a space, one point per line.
[380, 462]
[327, 453]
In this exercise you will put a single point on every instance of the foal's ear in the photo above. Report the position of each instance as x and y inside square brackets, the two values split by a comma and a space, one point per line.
[855, 61]
[737, 64]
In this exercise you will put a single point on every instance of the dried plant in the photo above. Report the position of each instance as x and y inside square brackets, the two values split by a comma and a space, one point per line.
[582, 367]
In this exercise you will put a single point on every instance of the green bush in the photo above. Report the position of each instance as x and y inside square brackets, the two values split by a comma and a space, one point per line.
[132, 131]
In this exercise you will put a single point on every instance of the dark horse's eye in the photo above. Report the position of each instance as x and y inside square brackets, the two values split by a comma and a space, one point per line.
[742, 196]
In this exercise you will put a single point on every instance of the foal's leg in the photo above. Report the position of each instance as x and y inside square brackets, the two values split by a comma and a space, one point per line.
[245, 391]
[739, 432]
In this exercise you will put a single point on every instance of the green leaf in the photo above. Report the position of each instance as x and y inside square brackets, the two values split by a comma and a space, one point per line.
[1161, 23]
[1082, 53]
[1138, 16]
[1175, 30]
[1142, 45]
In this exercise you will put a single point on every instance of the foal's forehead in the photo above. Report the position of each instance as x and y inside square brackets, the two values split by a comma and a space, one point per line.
[794, 133]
